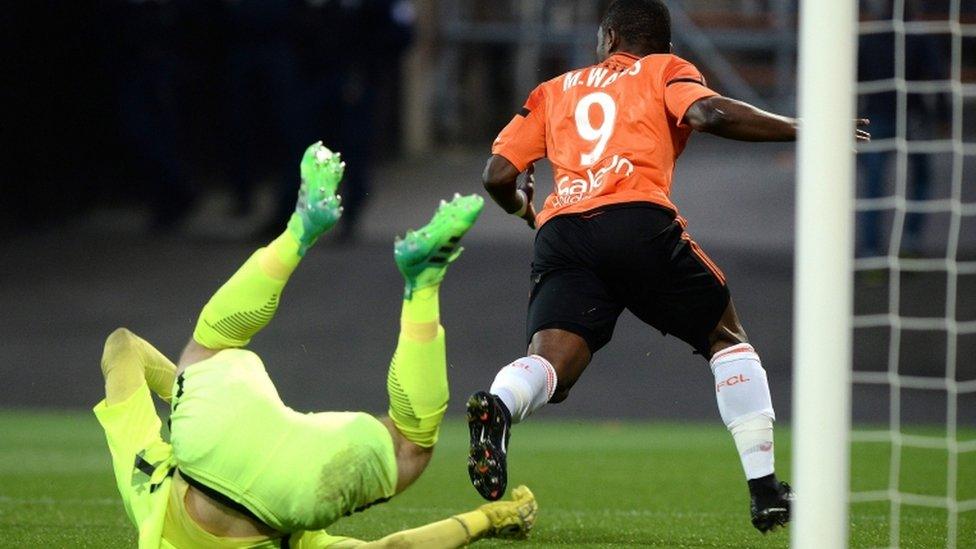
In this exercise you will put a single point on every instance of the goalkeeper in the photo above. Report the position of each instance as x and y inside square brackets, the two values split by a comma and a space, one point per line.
[241, 468]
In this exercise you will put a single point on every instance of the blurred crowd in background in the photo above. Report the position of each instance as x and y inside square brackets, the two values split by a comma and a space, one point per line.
[141, 100]
[157, 102]
[927, 58]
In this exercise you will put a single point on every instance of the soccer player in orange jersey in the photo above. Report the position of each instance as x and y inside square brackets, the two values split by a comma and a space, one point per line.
[610, 238]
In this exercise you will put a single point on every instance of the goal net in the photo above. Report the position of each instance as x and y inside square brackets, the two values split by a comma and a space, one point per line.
[913, 441]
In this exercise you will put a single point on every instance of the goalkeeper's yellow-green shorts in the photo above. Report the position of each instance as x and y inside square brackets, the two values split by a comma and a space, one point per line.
[231, 432]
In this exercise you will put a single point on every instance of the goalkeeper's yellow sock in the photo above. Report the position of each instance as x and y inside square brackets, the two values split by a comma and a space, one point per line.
[417, 380]
[247, 302]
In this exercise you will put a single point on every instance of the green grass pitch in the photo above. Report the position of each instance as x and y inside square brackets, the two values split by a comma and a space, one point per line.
[599, 484]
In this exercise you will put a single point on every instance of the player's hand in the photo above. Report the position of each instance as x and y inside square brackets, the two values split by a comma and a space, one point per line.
[526, 184]
[512, 519]
[860, 134]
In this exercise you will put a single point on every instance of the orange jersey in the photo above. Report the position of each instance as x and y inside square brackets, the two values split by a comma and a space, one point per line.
[612, 131]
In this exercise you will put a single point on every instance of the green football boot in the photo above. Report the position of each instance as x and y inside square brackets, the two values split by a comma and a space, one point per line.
[317, 209]
[423, 255]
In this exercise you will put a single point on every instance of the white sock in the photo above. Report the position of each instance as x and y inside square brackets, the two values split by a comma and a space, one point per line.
[742, 392]
[525, 385]
[754, 441]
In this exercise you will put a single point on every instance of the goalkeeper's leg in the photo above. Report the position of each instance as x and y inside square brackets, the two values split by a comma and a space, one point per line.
[417, 379]
[247, 302]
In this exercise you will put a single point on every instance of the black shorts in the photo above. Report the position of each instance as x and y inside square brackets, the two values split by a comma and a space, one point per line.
[587, 268]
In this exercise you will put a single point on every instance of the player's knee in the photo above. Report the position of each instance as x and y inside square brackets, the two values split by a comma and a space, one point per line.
[568, 354]
[729, 332]
[723, 339]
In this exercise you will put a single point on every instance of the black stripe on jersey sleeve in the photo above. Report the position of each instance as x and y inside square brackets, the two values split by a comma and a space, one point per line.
[524, 112]
[144, 466]
[688, 80]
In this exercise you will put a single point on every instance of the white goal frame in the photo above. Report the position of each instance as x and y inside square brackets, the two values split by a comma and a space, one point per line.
[823, 304]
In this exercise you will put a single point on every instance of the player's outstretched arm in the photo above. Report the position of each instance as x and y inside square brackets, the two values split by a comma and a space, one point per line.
[500, 179]
[502, 519]
[246, 303]
[732, 119]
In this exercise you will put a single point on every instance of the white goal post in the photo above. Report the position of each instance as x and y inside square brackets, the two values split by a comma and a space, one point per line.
[823, 304]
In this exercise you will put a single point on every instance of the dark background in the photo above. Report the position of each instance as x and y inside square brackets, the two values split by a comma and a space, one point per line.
[148, 147]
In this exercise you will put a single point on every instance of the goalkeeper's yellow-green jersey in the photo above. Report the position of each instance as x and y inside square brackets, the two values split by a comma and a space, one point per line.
[141, 460]
[296, 472]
